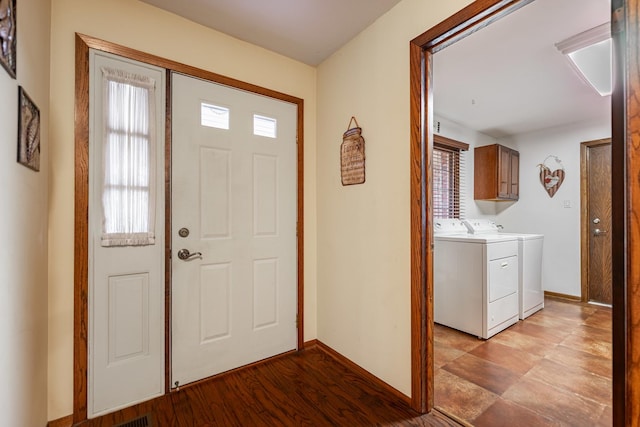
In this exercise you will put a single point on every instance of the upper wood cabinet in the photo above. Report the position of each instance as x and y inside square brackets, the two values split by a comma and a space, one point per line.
[496, 173]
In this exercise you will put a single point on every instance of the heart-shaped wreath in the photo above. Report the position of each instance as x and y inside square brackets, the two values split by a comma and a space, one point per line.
[551, 180]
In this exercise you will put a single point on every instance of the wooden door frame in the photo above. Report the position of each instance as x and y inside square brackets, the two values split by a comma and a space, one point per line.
[625, 190]
[585, 225]
[81, 251]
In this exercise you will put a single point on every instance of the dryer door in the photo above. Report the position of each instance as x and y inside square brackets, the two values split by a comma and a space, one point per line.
[503, 277]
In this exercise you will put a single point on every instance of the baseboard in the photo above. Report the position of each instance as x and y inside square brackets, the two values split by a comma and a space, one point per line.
[562, 296]
[61, 422]
[361, 371]
[310, 344]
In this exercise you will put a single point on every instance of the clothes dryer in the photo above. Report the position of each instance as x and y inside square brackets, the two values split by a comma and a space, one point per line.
[475, 279]
[530, 247]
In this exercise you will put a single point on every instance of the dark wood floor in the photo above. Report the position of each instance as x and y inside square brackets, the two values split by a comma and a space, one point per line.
[551, 369]
[309, 388]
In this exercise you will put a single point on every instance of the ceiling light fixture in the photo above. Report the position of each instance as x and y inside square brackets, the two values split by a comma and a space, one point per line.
[590, 54]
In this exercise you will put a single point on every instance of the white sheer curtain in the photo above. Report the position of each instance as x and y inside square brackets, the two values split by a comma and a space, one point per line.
[128, 194]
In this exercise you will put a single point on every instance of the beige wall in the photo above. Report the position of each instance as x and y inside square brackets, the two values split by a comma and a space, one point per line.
[364, 230]
[140, 26]
[23, 226]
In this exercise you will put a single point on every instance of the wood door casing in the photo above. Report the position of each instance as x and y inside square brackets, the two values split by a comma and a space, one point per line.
[595, 158]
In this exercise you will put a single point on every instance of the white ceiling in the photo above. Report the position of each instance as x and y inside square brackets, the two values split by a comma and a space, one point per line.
[306, 30]
[509, 78]
[506, 79]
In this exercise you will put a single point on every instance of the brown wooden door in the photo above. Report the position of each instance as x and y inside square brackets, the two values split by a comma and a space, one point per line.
[597, 220]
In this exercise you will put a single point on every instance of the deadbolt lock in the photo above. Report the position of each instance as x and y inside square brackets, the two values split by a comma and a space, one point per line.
[183, 232]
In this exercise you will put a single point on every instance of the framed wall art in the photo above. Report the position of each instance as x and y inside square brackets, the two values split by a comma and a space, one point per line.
[8, 36]
[28, 131]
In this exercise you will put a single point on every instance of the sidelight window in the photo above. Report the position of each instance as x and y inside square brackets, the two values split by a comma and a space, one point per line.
[128, 193]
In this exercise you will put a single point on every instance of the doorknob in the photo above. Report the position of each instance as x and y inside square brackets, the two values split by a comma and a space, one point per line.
[184, 254]
[598, 232]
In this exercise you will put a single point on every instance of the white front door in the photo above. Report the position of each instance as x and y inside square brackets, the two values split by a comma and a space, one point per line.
[234, 208]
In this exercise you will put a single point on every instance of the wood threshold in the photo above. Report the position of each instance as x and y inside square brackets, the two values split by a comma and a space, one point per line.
[81, 209]
[625, 189]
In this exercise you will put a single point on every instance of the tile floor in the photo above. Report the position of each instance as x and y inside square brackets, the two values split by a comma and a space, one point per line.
[552, 369]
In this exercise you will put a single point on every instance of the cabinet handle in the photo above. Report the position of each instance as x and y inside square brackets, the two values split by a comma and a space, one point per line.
[504, 265]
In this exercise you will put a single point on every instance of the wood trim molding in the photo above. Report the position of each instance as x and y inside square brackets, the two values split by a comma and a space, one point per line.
[421, 322]
[361, 371]
[61, 422]
[82, 45]
[562, 296]
[625, 209]
[81, 221]
[584, 220]
[467, 21]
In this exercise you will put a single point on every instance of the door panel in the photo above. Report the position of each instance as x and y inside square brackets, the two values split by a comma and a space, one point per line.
[126, 286]
[234, 189]
[599, 223]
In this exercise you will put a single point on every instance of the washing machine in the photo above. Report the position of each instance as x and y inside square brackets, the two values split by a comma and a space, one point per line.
[475, 279]
[530, 246]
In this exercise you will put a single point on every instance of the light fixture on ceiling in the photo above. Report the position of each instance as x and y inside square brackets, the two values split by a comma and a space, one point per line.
[590, 54]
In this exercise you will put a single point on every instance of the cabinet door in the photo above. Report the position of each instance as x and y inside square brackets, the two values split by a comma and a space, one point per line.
[514, 174]
[504, 172]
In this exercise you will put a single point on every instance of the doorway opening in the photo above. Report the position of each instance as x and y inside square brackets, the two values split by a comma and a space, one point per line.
[476, 16]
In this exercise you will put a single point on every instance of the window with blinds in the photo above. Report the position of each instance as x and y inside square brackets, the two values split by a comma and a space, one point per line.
[448, 177]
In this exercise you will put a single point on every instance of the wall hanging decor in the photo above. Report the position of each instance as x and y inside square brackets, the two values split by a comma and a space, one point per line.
[8, 36]
[551, 180]
[352, 155]
[28, 131]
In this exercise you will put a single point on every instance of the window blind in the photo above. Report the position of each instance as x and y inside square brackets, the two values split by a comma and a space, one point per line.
[448, 177]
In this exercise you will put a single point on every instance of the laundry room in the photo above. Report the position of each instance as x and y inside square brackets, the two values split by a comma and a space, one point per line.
[522, 217]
